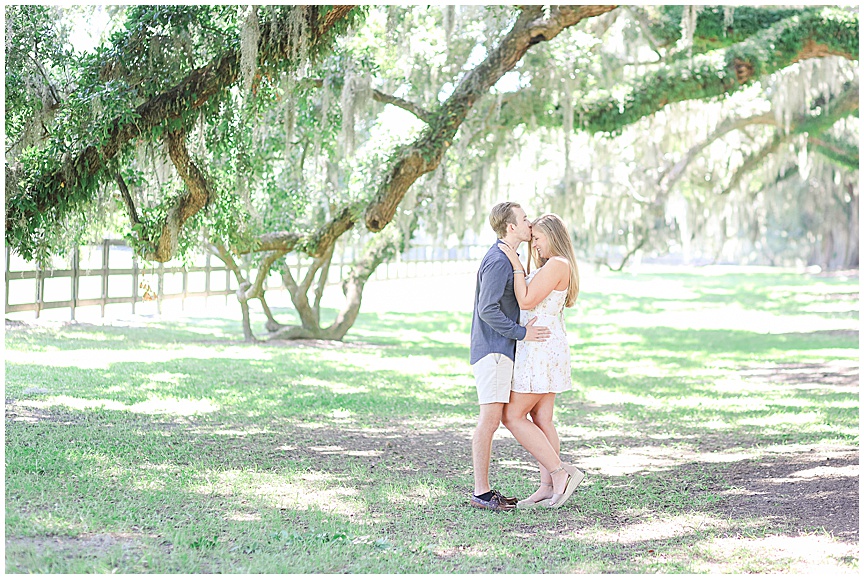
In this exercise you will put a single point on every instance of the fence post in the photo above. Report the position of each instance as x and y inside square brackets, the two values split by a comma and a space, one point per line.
[40, 289]
[134, 281]
[227, 282]
[75, 274]
[105, 250]
[161, 288]
[206, 278]
[185, 288]
[6, 297]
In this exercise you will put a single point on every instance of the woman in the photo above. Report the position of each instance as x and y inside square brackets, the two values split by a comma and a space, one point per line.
[542, 369]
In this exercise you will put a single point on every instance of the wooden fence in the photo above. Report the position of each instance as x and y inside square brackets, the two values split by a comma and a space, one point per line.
[93, 277]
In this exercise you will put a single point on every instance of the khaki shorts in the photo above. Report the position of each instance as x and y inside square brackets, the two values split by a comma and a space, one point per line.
[494, 375]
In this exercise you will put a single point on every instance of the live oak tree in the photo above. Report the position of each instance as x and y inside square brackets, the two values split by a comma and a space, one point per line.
[166, 107]
[663, 161]
[257, 131]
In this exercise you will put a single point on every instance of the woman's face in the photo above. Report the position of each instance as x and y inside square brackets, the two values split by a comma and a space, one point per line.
[541, 243]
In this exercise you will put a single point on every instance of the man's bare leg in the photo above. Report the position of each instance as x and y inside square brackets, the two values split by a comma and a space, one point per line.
[481, 444]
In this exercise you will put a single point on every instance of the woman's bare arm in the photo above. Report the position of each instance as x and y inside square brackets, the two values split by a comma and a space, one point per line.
[547, 278]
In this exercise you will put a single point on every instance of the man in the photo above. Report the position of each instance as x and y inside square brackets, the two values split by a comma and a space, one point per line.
[494, 331]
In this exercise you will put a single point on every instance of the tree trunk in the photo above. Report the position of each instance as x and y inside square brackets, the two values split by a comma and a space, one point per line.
[248, 336]
[272, 325]
[630, 253]
[850, 257]
[243, 295]
[383, 246]
[309, 314]
[197, 196]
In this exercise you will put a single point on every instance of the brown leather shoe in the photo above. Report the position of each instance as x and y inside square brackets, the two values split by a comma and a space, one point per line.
[495, 503]
[508, 500]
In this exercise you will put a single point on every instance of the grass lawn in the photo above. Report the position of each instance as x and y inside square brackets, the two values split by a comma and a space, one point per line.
[715, 412]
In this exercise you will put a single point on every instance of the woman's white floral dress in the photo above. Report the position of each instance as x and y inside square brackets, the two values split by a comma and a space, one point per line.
[543, 367]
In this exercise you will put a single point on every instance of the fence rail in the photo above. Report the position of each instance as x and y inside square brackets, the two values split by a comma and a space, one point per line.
[107, 285]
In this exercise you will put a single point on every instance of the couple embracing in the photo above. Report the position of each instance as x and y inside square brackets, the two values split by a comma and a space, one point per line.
[519, 351]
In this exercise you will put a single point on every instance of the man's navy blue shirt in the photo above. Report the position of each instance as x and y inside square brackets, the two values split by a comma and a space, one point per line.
[495, 327]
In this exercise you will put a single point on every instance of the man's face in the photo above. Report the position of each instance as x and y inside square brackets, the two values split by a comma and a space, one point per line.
[523, 225]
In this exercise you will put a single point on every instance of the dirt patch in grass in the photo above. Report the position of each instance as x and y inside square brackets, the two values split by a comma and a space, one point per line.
[325, 344]
[799, 491]
[833, 373]
[83, 547]
[815, 488]
[795, 490]
[96, 544]
[17, 413]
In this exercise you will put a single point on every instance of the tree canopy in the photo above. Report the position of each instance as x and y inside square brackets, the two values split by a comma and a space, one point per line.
[257, 131]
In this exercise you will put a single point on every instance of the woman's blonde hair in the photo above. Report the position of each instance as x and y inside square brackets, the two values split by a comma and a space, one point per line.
[559, 245]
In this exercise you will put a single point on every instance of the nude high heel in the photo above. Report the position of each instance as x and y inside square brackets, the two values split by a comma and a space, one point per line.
[574, 477]
[529, 504]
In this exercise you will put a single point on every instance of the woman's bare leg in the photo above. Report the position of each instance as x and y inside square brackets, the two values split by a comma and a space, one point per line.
[542, 415]
[531, 437]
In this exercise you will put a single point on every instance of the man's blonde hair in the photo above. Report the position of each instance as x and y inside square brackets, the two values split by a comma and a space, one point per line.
[500, 216]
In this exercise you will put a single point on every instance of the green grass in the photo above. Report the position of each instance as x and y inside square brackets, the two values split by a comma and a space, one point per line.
[176, 448]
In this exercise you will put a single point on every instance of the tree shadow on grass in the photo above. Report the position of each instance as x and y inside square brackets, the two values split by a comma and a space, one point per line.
[363, 476]
[370, 330]
[419, 332]
[298, 386]
[349, 464]
[222, 388]
[704, 344]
